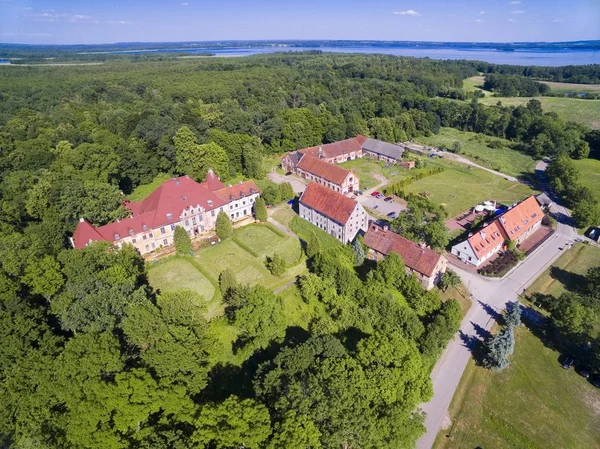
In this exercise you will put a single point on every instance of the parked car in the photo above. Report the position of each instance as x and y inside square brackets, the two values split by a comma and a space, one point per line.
[375, 193]
[359, 192]
[568, 362]
[584, 371]
[393, 215]
[389, 199]
[596, 381]
[379, 196]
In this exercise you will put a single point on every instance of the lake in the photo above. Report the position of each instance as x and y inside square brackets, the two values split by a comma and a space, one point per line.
[517, 57]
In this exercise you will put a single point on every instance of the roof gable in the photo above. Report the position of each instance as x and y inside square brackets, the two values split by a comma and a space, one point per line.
[486, 239]
[329, 203]
[324, 170]
[516, 221]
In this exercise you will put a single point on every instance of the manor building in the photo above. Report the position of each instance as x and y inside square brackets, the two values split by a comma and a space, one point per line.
[334, 213]
[177, 202]
[336, 178]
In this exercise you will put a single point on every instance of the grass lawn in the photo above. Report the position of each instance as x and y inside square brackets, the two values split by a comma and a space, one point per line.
[142, 191]
[264, 242]
[283, 215]
[570, 109]
[364, 169]
[247, 268]
[576, 262]
[459, 187]
[533, 404]
[473, 83]
[475, 147]
[461, 294]
[304, 229]
[571, 87]
[590, 174]
[175, 273]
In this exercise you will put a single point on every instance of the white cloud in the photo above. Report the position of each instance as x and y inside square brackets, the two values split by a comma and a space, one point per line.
[519, 11]
[120, 22]
[49, 15]
[408, 12]
[557, 21]
[185, 4]
[481, 13]
[515, 2]
[478, 20]
[512, 20]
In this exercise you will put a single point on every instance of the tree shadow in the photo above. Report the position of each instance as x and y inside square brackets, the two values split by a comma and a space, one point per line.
[351, 337]
[490, 310]
[474, 344]
[482, 333]
[572, 281]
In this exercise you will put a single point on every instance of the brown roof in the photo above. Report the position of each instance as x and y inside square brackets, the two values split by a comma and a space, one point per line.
[520, 218]
[418, 258]
[237, 191]
[486, 239]
[331, 204]
[322, 169]
[336, 149]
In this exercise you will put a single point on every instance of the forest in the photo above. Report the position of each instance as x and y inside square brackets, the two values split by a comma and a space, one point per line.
[93, 357]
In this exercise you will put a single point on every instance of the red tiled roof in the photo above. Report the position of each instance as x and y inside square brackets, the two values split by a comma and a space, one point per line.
[335, 149]
[520, 218]
[322, 169]
[164, 206]
[418, 258]
[237, 191]
[486, 239]
[329, 203]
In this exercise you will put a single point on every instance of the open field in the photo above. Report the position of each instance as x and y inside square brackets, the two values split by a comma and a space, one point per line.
[571, 87]
[473, 83]
[590, 174]
[569, 109]
[475, 147]
[265, 242]
[533, 404]
[178, 273]
[460, 187]
[576, 262]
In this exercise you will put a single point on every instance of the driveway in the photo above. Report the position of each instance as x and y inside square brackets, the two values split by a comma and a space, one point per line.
[296, 182]
[381, 206]
[489, 297]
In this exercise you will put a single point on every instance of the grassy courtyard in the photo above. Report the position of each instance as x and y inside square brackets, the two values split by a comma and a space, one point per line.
[533, 404]
[475, 147]
[460, 187]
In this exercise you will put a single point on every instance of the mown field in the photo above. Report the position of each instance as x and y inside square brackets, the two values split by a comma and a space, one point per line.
[476, 148]
[461, 187]
[590, 174]
[533, 404]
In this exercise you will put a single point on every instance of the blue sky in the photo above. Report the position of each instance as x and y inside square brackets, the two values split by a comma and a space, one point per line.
[98, 21]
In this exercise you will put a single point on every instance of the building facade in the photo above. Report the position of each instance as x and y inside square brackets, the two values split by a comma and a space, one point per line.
[428, 265]
[334, 213]
[178, 202]
[336, 178]
[481, 245]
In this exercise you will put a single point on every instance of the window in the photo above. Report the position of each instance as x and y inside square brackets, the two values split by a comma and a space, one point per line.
[147, 248]
[145, 227]
[187, 222]
[162, 230]
[212, 213]
[153, 246]
[150, 235]
[172, 227]
[193, 220]
[165, 242]
[244, 203]
[169, 216]
[133, 241]
[144, 237]
[232, 216]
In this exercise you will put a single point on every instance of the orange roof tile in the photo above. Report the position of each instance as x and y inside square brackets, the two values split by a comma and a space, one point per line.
[322, 169]
[329, 203]
[336, 149]
[418, 258]
[520, 218]
[486, 239]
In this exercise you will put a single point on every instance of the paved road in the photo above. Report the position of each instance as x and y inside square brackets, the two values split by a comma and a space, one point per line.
[489, 296]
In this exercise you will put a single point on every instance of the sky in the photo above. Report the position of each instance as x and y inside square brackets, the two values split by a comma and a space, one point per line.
[108, 21]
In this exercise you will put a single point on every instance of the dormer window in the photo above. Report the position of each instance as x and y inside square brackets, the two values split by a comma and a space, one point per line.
[209, 202]
[131, 232]
[184, 197]
[145, 227]
[169, 216]
[117, 237]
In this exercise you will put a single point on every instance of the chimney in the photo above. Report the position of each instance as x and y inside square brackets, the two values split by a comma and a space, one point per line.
[81, 220]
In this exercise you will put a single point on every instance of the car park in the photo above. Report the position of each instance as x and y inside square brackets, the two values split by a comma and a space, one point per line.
[389, 199]
[568, 362]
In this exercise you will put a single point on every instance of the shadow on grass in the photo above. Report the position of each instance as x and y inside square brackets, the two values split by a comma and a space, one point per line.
[572, 281]
[490, 311]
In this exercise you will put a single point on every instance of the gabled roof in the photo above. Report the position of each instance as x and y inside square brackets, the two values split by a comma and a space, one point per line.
[383, 148]
[237, 191]
[322, 169]
[336, 149]
[332, 204]
[520, 218]
[84, 234]
[416, 257]
[486, 239]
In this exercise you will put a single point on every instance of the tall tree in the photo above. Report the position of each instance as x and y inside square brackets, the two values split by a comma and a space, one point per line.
[183, 243]
[313, 246]
[223, 225]
[260, 209]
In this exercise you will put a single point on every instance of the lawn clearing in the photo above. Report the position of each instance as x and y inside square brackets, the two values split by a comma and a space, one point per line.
[265, 242]
[571, 87]
[304, 229]
[142, 191]
[590, 174]
[178, 273]
[475, 147]
[474, 83]
[460, 187]
[283, 215]
[575, 262]
[569, 109]
[533, 404]
[365, 170]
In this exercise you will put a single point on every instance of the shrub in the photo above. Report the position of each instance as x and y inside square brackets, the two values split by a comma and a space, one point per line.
[260, 209]
[276, 265]
[223, 226]
[183, 243]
